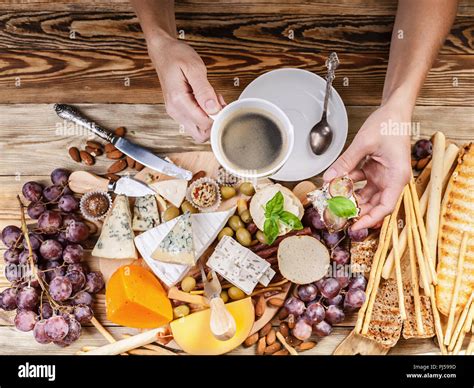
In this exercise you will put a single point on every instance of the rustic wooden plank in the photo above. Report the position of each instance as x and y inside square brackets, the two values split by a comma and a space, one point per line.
[34, 141]
[114, 76]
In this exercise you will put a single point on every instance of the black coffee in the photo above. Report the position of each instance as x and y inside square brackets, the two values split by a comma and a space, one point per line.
[252, 141]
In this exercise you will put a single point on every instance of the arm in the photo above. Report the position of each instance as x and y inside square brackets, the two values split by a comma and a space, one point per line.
[188, 95]
[385, 155]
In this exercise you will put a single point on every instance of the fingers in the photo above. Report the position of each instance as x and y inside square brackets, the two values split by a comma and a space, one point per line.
[348, 161]
[221, 100]
[357, 175]
[203, 91]
[365, 194]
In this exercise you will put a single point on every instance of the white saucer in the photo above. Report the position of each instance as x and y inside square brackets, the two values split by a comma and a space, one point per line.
[300, 94]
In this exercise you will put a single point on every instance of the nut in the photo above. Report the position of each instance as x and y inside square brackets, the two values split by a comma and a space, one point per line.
[413, 163]
[109, 147]
[293, 341]
[130, 162]
[120, 131]
[251, 340]
[275, 302]
[261, 346]
[291, 321]
[282, 352]
[115, 154]
[271, 337]
[94, 151]
[75, 154]
[118, 166]
[138, 166]
[87, 158]
[284, 329]
[112, 177]
[94, 144]
[283, 314]
[93, 228]
[260, 306]
[198, 175]
[306, 346]
[265, 330]
[421, 164]
[275, 347]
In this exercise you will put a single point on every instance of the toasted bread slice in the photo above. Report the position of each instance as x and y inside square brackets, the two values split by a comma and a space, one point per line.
[457, 216]
[409, 325]
[362, 253]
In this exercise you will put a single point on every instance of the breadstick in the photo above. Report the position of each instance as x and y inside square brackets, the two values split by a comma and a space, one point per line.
[413, 270]
[457, 286]
[461, 323]
[459, 342]
[449, 158]
[434, 201]
[470, 319]
[288, 347]
[470, 347]
[398, 270]
[437, 321]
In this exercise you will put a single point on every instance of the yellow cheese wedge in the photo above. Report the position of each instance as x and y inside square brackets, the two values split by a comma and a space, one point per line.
[193, 334]
[135, 298]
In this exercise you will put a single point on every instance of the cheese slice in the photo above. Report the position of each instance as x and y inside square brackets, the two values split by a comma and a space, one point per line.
[173, 190]
[205, 226]
[145, 214]
[116, 238]
[178, 246]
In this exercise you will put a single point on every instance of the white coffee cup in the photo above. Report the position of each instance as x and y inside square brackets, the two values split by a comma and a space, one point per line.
[267, 108]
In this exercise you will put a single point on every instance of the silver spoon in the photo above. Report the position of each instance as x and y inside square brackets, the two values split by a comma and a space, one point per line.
[320, 137]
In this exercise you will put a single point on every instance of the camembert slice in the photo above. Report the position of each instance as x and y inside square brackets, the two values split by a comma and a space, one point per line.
[173, 190]
[145, 214]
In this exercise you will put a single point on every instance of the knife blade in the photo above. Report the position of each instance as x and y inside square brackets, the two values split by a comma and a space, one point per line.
[136, 152]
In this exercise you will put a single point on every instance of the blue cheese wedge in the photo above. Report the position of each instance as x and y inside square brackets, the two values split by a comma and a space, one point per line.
[116, 238]
[173, 190]
[178, 245]
[145, 214]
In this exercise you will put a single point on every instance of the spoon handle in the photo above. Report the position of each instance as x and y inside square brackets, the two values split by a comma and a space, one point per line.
[331, 63]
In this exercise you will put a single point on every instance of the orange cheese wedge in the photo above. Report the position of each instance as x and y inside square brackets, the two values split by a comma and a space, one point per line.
[135, 298]
[193, 334]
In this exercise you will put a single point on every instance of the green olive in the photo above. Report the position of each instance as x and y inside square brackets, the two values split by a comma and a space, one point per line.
[235, 222]
[246, 217]
[225, 232]
[243, 236]
[227, 192]
[224, 296]
[187, 207]
[181, 311]
[246, 188]
[235, 293]
[261, 237]
[170, 213]
[188, 284]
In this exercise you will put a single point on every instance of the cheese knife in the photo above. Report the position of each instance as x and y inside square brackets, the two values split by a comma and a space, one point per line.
[82, 182]
[222, 322]
[133, 150]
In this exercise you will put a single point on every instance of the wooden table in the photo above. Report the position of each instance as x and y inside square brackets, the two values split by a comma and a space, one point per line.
[93, 54]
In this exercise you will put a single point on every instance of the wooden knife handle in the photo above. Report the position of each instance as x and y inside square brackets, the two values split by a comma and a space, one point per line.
[222, 322]
[82, 182]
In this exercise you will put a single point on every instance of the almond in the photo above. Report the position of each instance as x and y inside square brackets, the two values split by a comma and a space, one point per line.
[112, 177]
[94, 144]
[118, 166]
[421, 164]
[413, 163]
[198, 175]
[282, 352]
[276, 302]
[291, 321]
[265, 329]
[87, 158]
[275, 347]
[94, 151]
[115, 154]
[109, 147]
[75, 154]
[271, 337]
[293, 341]
[120, 131]
[261, 346]
[130, 162]
[283, 314]
[251, 340]
[306, 346]
[284, 329]
[260, 306]
[138, 166]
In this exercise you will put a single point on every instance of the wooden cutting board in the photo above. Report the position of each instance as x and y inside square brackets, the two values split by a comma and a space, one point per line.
[356, 344]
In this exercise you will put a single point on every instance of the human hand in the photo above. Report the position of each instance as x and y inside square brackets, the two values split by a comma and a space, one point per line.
[385, 157]
[188, 95]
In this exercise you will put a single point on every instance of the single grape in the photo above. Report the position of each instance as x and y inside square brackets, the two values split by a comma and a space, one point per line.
[358, 235]
[83, 313]
[68, 203]
[334, 315]
[61, 238]
[51, 250]
[336, 301]
[341, 187]
[330, 288]
[340, 255]
[332, 221]
[12, 256]
[50, 221]
[294, 306]
[422, 149]
[60, 288]
[13, 272]
[60, 176]
[73, 333]
[32, 191]
[39, 332]
[27, 298]
[319, 284]
[73, 253]
[342, 277]
[81, 267]
[69, 217]
[77, 279]
[24, 257]
[25, 320]
[35, 241]
[77, 231]
[52, 269]
[8, 298]
[82, 298]
[332, 239]
[307, 292]
[35, 209]
[354, 299]
[95, 282]
[45, 310]
[11, 236]
[314, 313]
[52, 193]
[302, 330]
[56, 328]
[359, 282]
[322, 329]
[313, 219]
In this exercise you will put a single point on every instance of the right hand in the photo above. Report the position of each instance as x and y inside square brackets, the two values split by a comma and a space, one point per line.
[188, 95]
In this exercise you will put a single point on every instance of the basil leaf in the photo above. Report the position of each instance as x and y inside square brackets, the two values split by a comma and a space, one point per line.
[271, 230]
[290, 220]
[342, 207]
[274, 205]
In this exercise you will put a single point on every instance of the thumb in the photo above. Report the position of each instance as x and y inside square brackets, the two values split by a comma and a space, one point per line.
[347, 162]
[203, 92]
